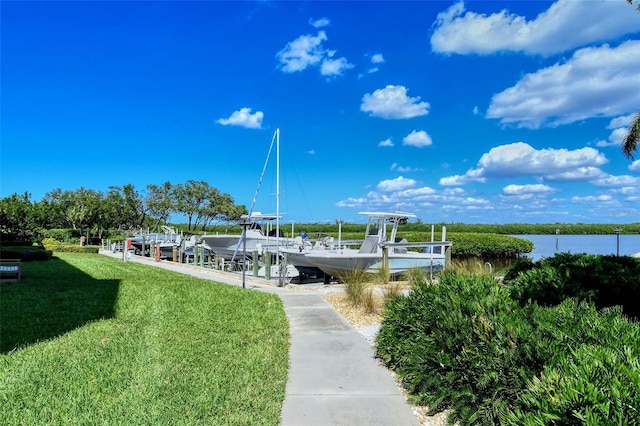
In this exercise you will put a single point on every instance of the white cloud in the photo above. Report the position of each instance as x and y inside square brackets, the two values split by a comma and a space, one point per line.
[403, 169]
[397, 184]
[319, 23]
[392, 102]
[244, 118]
[566, 25]
[592, 198]
[635, 166]
[579, 174]
[386, 142]
[615, 137]
[377, 58]
[623, 121]
[520, 159]
[308, 51]
[334, 67]
[418, 139]
[618, 181]
[302, 52]
[594, 82]
[527, 189]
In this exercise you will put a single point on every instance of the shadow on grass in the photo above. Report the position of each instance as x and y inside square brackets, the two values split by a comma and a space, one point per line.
[52, 298]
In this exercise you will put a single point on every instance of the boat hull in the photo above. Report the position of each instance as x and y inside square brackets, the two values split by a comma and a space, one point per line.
[337, 262]
[228, 246]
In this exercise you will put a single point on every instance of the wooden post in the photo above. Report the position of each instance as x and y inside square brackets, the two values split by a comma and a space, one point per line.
[267, 265]
[255, 263]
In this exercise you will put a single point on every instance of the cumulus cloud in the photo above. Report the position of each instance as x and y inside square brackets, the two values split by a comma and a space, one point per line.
[520, 159]
[592, 198]
[418, 139]
[302, 52]
[397, 184]
[377, 58]
[403, 169]
[619, 128]
[386, 142]
[334, 67]
[579, 174]
[527, 189]
[319, 23]
[635, 166]
[595, 82]
[308, 51]
[392, 102]
[244, 118]
[566, 25]
[618, 181]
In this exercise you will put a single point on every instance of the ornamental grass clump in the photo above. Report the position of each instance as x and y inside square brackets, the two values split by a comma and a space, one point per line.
[356, 285]
[415, 276]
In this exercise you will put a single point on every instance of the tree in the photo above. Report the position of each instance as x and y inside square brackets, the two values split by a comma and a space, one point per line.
[631, 2]
[14, 213]
[630, 143]
[160, 202]
[201, 204]
[123, 209]
[220, 207]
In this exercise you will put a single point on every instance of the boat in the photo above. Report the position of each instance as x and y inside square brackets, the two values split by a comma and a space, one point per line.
[144, 240]
[258, 236]
[254, 237]
[380, 250]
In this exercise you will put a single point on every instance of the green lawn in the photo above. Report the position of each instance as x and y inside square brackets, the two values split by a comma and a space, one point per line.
[87, 339]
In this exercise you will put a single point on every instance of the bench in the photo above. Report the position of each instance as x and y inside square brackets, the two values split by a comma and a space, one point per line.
[10, 270]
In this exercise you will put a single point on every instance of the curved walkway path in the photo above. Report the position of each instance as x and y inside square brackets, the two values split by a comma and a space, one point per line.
[334, 378]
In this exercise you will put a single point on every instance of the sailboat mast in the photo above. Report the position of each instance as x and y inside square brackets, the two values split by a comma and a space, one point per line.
[278, 197]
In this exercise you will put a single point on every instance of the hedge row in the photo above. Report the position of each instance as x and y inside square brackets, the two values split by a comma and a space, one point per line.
[55, 245]
[604, 280]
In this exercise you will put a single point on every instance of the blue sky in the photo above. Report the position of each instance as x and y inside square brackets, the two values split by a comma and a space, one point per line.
[477, 112]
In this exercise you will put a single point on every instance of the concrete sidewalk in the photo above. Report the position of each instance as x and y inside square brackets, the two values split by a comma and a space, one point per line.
[334, 378]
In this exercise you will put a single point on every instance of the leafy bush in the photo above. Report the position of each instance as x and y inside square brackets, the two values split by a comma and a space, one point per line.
[488, 246]
[26, 253]
[592, 372]
[458, 344]
[55, 245]
[465, 344]
[605, 280]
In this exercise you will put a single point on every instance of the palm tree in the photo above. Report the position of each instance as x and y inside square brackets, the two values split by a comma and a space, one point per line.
[630, 143]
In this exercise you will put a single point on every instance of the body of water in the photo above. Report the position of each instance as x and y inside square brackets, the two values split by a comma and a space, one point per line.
[549, 245]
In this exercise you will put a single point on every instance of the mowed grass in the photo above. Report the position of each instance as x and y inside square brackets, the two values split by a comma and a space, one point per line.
[87, 339]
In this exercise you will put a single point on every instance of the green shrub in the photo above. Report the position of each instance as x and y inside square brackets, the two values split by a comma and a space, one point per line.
[592, 370]
[465, 344]
[605, 280]
[488, 246]
[55, 245]
[457, 344]
[26, 253]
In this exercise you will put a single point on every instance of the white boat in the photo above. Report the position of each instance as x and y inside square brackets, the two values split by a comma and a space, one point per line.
[380, 249]
[257, 237]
